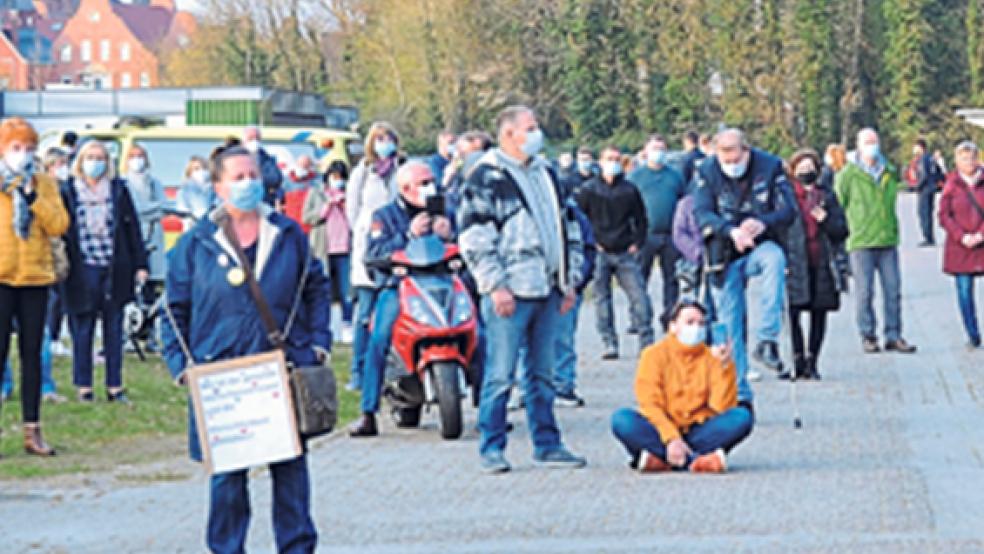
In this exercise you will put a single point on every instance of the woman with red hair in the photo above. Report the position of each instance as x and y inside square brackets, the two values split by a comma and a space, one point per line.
[31, 214]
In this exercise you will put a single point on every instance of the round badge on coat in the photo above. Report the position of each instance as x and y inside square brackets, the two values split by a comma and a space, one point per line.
[236, 276]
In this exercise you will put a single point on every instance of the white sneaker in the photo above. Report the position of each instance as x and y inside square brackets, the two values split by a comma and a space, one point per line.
[754, 375]
[347, 333]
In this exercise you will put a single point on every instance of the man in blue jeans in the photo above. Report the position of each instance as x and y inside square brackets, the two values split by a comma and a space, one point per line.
[522, 243]
[617, 214]
[867, 188]
[688, 416]
[564, 377]
[393, 226]
[743, 201]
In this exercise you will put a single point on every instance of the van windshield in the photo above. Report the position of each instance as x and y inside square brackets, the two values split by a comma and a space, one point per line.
[168, 157]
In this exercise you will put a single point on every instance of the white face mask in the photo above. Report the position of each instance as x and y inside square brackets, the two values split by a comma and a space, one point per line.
[19, 162]
[62, 173]
[252, 145]
[426, 192]
[137, 165]
[337, 184]
[200, 176]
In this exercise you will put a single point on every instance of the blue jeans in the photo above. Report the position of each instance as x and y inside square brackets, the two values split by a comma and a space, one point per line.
[625, 268]
[536, 322]
[767, 262]
[387, 310]
[566, 365]
[965, 299]
[365, 302]
[47, 380]
[229, 512]
[82, 327]
[927, 197]
[338, 270]
[725, 430]
[884, 261]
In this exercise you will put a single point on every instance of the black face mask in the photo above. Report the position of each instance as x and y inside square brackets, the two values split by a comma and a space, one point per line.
[807, 178]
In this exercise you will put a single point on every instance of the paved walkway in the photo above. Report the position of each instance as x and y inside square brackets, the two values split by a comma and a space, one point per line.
[889, 460]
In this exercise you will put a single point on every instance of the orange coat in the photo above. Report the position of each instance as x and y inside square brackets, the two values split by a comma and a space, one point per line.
[678, 386]
[28, 263]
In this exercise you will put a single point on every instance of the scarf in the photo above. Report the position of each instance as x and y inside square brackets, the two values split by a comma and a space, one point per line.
[22, 216]
[95, 202]
[384, 167]
[808, 200]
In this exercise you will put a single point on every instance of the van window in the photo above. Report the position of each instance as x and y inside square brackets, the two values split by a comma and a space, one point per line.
[168, 157]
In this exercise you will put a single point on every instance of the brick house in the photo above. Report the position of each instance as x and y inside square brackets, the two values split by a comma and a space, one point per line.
[25, 45]
[112, 44]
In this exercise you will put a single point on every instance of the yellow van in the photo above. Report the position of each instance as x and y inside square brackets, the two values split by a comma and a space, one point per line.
[170, 148]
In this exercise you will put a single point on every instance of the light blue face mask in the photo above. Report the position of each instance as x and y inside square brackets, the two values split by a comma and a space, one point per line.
[585, 167]
[870, 151]
[612, 169]
[735, 170]
[246, 194]
[94, 169]
[657, 157]
[533, 143]
[384, 148]
[691, 335]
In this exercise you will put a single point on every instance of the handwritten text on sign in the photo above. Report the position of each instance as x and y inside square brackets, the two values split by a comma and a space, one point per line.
[244, 413]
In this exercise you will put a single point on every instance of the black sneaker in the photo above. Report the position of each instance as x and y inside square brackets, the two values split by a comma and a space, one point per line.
[118, 397]
[767, 354]
[610, 353]
[571, 400]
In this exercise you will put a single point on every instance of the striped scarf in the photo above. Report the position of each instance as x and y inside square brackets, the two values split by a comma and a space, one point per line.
[23, 217]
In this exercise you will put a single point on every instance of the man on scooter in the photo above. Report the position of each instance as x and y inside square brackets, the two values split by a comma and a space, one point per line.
[393, 226]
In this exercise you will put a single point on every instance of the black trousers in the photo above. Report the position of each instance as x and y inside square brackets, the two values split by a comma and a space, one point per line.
[29, 306]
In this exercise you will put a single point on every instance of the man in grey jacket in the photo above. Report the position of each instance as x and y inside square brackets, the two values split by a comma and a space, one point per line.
[521, 241]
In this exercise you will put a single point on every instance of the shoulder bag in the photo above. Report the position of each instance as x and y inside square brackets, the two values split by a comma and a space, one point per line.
[314, 388]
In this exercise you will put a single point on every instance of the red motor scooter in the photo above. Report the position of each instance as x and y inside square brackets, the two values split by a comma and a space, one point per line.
[434, 337]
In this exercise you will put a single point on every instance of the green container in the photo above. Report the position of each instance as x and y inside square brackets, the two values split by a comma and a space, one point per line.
[225, 112]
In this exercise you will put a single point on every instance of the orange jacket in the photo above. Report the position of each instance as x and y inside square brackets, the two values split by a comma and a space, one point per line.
[678, 386]
[28, 263]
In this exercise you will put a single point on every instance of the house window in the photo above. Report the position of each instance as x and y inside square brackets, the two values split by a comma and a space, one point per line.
[144, 79]
[104, 50]
[125, 81]
[86, 51]
[125, 52]
[66, 53]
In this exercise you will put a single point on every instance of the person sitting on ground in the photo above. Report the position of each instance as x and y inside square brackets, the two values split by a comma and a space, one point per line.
[688, 416]
[393, 226]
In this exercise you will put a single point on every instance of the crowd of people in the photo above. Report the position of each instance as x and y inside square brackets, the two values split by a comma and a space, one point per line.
[77, 239]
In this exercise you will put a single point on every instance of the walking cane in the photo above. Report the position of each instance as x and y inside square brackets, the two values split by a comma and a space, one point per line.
[793, 373]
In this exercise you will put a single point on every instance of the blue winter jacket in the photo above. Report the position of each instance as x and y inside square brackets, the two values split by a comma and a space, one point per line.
[390, 232]
[590, 250]
[219, 321]
[722, 204]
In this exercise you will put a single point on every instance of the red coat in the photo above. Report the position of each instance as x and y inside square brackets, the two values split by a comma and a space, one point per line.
[959, 217]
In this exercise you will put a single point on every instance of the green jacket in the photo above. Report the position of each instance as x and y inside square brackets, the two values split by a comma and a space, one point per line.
[869, 207]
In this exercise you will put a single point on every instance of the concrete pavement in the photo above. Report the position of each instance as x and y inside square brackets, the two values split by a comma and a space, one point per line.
[889, 460]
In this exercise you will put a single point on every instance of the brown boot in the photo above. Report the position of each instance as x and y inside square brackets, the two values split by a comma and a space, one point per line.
[34, 442]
